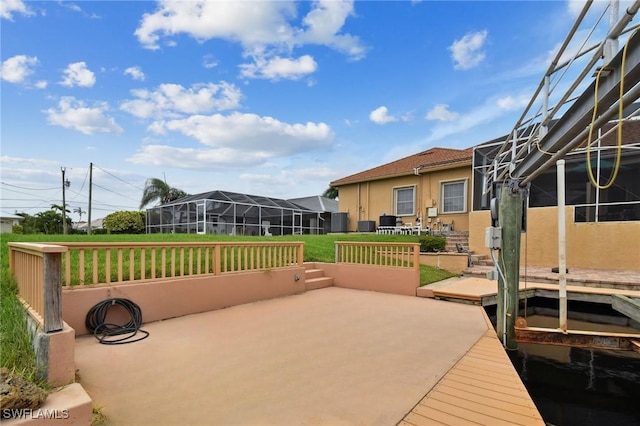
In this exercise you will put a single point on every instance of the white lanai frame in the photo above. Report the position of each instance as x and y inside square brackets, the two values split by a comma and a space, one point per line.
[228, 213]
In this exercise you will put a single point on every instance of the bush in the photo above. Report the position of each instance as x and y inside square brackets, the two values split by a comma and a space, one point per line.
[431, 244]
[17, 229]
[125, 222]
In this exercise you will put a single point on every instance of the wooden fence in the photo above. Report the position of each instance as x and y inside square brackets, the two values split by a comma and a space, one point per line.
[112, 263]
[42, 269]
[36, 268]
[402, 255]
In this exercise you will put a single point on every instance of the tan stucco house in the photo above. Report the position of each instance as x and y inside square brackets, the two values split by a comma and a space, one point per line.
[433, 185]
[444, 187]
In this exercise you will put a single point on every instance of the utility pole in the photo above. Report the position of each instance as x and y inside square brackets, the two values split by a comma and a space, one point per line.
[89, 209]
[65, 184]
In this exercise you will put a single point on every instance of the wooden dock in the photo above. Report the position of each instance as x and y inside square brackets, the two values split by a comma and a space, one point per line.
[481, 291]
[483, 388]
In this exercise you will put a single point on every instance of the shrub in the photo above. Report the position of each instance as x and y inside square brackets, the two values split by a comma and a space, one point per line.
[432, 244]
[125, 222]
[17, 229]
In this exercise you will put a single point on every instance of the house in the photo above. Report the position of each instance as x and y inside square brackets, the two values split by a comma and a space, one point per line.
[8, 221]
[433, 187]
[95, 224]
[444, 188]
[231, 213]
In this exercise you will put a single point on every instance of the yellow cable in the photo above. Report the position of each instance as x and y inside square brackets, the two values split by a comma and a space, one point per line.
[616, 167]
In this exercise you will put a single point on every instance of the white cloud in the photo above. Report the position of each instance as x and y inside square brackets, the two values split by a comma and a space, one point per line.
[441, 112]
[266, 26]
[191, 158]
[246, 22]
[76, 115]
[381, 116]
[209, 62]
[42, 84]
[467, 52]
[135, 73]
[77, 74]
[575, 6]
[173, 100]
[9, 7]
[17, 68]
[279, 68]
[324, 23]
[489, 111]
[510, 103]
[289, 177]
[252, 134]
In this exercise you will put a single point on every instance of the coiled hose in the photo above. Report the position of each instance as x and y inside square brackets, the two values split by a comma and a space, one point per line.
[103, 331]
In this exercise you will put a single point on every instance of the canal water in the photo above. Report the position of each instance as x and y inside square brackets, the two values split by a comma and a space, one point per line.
[575, 386]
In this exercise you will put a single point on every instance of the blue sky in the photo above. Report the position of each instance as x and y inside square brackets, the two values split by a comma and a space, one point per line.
[266, 98]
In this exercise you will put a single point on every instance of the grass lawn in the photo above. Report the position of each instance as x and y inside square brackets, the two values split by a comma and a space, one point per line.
[15, 345]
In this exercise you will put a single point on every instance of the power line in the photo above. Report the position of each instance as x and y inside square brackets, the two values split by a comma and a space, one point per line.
[30, 189]
[113, 192]
[120, 179]
[82, 186]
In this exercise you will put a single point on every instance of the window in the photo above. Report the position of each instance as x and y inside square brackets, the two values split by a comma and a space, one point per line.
[405, 201]
[454, 197]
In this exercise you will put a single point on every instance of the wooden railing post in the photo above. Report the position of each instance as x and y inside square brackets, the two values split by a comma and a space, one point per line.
[52, 292]
[217, 268]
[416, 256]
[300, 254]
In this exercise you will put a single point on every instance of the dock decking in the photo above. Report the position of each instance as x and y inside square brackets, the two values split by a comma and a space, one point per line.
[483, 388]
[481, 291]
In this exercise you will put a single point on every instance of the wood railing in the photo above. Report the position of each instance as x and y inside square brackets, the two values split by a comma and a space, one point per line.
[110, 263]
[402, 255]
[36, 268]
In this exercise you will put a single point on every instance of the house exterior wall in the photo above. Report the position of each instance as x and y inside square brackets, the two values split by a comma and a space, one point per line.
[370, 200]
[6, 225]
[602, 245]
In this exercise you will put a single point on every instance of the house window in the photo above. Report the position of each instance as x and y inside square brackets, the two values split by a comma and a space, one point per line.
[454, 196]
[405, 201]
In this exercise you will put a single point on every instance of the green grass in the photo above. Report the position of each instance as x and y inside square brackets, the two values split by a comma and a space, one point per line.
[15, 341]
[16, 352]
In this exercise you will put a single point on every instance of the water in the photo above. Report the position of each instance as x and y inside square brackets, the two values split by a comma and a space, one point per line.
[575, 386]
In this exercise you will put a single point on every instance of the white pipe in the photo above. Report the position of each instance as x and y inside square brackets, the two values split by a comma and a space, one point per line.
[562, 247]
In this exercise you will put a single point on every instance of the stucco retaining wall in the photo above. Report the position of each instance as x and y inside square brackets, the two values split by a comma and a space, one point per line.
[452, 262]
[159, 300]
[383, 279]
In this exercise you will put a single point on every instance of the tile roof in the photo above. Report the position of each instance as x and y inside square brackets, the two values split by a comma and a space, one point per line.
[430, 159]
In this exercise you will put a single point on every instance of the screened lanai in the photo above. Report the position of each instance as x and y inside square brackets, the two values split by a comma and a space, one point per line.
[229, 213]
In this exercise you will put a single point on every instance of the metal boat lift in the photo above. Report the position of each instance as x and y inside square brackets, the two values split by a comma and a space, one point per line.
[536, 144]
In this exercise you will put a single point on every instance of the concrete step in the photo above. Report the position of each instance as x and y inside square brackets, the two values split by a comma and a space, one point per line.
[316, 283]
[313, 273]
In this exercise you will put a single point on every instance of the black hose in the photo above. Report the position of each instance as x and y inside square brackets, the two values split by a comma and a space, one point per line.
[103, 331]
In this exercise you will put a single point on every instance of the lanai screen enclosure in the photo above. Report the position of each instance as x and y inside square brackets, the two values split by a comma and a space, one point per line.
[229, 213]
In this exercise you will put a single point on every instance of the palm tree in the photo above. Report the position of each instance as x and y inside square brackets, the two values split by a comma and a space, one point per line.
[158, 190]
[80, 213]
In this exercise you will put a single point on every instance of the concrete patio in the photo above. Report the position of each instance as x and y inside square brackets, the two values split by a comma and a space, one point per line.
[330, 356]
